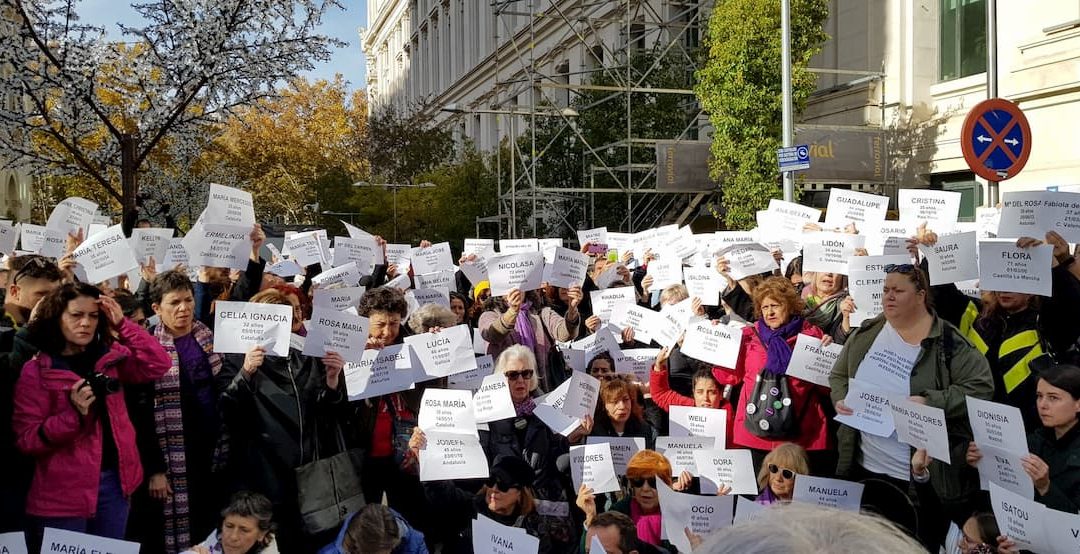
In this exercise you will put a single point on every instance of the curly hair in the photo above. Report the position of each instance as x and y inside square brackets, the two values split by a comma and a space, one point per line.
[780, 290]
[45, 329]
[383, 299]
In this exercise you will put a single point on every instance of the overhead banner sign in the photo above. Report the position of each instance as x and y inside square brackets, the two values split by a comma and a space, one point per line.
[683, 166]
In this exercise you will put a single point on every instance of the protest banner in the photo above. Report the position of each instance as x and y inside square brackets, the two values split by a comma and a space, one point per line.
[339, 298]
[355, 232]
[444, 353]
[830, 252]
[952, 259]
[791, 217]
[105, 255]
[581, 396]
[216, 245]
[61, 540]
[700, 515]
[72, 215]
[229, 206]
[398, 254]
[810, 361]
[418, 297]
[568, 269]
[592, 465]
[713, 343]
[336, 331]
[524, 271]
[733, 468]
[381, 371]
[830, 493]
[452, 456]
[1035, 213]
[240, 325]
[1005, 267]
[150, 243]
[690, 421]
[492, 401]
[875, 264]
[921, 426]
[1021, 519]
[848, 206]
[622, 449]
[887, 237]
[665, 327]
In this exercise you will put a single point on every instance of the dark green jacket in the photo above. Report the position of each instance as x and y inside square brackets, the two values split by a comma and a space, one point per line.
[1063, 457]
[944, 379]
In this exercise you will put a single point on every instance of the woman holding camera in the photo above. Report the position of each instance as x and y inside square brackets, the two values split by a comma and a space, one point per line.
[69, 417]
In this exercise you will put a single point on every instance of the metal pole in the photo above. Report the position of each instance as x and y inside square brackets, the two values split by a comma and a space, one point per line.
[395, 213]
[991, 80]
[513, 179]
[785, 73]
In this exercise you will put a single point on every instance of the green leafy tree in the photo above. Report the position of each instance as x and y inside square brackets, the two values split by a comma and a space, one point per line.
[405, 143]
[740, 88]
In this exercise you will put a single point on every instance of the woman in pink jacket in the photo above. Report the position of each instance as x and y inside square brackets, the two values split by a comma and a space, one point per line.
[70, 413]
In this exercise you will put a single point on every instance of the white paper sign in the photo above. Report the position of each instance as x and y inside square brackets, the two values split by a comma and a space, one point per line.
[594, 236]
[636, 362]
[360, 250]
[848, 206]
[939, 209]
[701, 515]
[240, 325]
[475, 270]
[831, 493]
[431, 259]
[680, 451]
[604, 301]
[306, 249]
[871, 406]
[492, 401]
[340, 298]
[997, 425]
[748, 510]
[523, 271]
[666, 272]
[9, 235]
[791, 216]
[592, 465]
[483, 248]
[866, 288]
[176, 255]
[229, 206]
[705, 283]
[812, 362]
[447, 411]
[952, 259]
[830, 252]
[1034, 213]
[150, 243]
[105, 255]
[60, 540]
[748, 259]
[347, 275]
[518, 246]
[470, 380]
[13, 543]
[734, 468]
[621, 448]
[689, 421]
[444, 353]
[336, 331]
[379, 372]
[214, 245]
[921, 426]
[434, 280]
[1005, 267]
[452, 456]
[581, 395]
[635, 317]
[875, 264]
[1020, 519]
[1005, 469]
[71, 215]
[490, 537]
[568, 270]
[1062, 531]
[715, 344]
[419, 297]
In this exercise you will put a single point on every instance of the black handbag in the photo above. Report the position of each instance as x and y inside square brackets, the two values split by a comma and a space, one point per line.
[329, 489]
[770, 409]
[401, 429]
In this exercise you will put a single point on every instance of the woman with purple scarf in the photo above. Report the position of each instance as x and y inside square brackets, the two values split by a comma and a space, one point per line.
[521, 318]
[766, 350]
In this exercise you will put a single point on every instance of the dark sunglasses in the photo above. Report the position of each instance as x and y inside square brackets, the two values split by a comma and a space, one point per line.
[638, 483]
[899, 268]
[34, 263]
[785, 473]
[524, 374]
[500, 485]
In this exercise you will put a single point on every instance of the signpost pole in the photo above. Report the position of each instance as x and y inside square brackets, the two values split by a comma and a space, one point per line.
[991, 81]
[785, 57]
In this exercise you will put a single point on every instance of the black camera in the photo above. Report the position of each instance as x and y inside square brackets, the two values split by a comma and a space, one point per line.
[102, 385]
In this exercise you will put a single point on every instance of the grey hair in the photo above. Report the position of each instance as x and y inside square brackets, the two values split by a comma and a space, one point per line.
[431, 315]
[809, 529]
[523, 354]
[674, 293]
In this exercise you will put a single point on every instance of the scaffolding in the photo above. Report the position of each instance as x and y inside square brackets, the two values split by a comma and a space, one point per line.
[671, 27]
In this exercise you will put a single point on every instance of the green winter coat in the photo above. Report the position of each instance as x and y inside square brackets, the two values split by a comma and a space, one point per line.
[944, 379]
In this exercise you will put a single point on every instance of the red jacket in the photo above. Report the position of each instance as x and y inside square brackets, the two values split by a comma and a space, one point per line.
[67, 446]
[663, 396]
[806, 396]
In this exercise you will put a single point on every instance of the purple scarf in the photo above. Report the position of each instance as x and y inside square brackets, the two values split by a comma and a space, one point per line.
[525, 408]
[777, 349]
[524, 328]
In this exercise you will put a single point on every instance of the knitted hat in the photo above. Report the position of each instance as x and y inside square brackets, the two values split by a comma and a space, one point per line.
[480, 288]
[512, 470]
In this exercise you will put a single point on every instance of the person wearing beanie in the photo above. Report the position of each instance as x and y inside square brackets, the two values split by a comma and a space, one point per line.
[643, 503]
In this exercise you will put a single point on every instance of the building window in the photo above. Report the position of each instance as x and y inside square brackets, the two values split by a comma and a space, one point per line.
[963, 38]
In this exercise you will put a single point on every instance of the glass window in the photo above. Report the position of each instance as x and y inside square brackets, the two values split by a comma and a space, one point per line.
[963, 38]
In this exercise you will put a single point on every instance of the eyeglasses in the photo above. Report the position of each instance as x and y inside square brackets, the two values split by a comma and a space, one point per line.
[523, 374]
[500, 485]
[638, 483]
[785, 473]
[899, 268]
[34, 263]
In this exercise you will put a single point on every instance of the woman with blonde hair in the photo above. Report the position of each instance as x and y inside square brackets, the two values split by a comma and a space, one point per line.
[776, 478]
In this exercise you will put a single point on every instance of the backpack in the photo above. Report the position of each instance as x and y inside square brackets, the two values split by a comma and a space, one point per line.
[770, 409]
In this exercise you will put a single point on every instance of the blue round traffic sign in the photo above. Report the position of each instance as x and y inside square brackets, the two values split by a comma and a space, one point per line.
[996, 139]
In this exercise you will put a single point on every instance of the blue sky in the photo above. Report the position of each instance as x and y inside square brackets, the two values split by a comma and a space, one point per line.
[348, 61]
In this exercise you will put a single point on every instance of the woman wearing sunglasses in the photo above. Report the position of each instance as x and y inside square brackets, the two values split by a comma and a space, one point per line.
[910, 351]
[643, 503]
[506, 497]
[776, 478]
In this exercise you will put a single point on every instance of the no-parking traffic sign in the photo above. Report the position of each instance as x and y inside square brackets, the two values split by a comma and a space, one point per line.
[996, 139]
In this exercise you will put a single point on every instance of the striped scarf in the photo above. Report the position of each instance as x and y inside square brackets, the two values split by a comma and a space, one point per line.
[169, 425]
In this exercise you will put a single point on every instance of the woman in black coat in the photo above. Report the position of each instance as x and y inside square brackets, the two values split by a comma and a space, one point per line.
[273, 407]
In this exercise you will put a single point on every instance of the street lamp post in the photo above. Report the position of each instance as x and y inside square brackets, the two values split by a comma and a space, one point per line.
[394, 187]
